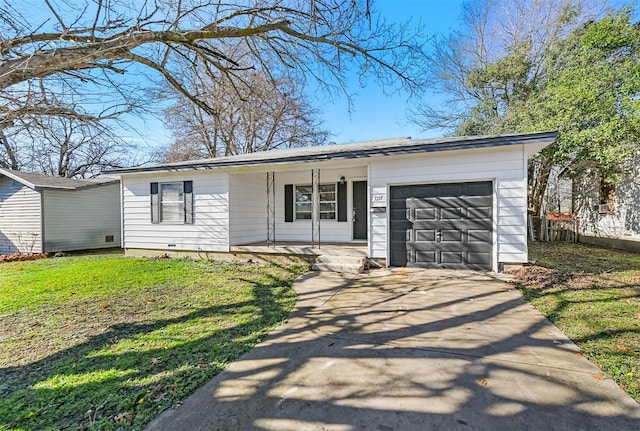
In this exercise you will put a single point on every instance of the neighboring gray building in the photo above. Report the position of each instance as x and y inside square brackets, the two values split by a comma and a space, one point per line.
[43, 214]
[609, 211]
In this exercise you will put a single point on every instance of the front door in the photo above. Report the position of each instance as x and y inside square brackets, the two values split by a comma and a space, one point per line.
[359, 210]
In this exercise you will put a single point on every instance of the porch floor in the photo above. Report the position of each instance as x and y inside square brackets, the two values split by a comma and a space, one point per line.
[304, 248]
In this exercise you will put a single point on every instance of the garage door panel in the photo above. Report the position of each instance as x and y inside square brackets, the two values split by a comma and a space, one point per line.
[479, 213]
[482, 236]
[423, 235]
[477, 201]
[452, 257]
[425, 256]
[479, 258]
[449, 235]
[463, 225]
[444, 225]
[451, 213]
[425, 214]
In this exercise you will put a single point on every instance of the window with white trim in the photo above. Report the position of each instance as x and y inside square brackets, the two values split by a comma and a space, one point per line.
[172, 202]
[303, 201]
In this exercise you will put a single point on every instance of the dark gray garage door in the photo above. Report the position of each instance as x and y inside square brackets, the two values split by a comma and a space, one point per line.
[442, 226]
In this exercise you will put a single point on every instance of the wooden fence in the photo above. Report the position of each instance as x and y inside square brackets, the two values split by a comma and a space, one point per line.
[554, 227]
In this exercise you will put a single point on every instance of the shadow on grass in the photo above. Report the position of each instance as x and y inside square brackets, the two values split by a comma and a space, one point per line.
[110, 382]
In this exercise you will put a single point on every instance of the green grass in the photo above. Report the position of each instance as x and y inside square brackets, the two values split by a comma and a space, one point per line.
[593, 295]
[108, 342]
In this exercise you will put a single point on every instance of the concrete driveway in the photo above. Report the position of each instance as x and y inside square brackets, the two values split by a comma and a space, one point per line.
[409, 350]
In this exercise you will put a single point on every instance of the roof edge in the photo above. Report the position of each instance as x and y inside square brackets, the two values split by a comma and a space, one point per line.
[9, 173]
[418, 146]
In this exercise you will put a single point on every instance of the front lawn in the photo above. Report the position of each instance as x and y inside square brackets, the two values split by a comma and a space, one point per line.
[107, 342]
[593, 295]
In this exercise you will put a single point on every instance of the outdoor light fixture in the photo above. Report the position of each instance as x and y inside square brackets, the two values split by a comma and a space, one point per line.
[343, 180]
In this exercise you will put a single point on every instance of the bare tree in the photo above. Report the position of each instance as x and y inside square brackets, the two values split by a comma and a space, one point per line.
[40, 113]
[68, 147]
[103, 47]
[257, 113]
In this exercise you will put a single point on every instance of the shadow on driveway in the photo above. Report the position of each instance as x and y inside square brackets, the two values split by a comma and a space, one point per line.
[409, 350]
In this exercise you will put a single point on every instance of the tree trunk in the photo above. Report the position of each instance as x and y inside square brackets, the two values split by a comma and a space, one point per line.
[539, 172]
[11, 155]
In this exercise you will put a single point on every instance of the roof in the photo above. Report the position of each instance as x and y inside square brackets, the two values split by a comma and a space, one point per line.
[385, 147]
[35, 181]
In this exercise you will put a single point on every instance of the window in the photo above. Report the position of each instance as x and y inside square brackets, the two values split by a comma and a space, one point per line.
[172, 202]
[607, 197]
[327, 201]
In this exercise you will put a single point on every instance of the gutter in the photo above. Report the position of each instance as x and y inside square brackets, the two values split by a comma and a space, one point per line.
[353, 154]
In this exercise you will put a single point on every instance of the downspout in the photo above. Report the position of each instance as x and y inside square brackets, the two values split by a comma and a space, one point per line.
[315, 208]
[121, 212]
[271, 209]
[525, 215]
[41, 191]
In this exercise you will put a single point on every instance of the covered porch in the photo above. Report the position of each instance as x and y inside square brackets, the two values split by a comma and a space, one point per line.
[320, 210]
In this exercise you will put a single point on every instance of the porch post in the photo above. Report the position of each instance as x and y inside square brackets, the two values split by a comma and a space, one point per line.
[271, 209]
[315, 208]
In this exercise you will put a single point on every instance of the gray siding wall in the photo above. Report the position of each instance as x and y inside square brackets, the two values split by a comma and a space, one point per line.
[624, 221]
[81, 219]
[247, 208]
[20, 222]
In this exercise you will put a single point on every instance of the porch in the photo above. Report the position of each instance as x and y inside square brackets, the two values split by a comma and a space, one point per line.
[338, 257]
[291, 211]
[304, 248]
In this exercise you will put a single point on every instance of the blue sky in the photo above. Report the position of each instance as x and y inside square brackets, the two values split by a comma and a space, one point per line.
[376, 115]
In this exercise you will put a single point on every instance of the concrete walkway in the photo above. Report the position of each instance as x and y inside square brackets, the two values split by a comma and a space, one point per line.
[409, 350]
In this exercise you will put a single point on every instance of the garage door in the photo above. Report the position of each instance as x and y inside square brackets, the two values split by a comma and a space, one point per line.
[442, 226]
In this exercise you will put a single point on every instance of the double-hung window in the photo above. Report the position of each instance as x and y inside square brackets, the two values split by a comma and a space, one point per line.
[327, 201]
[172, 202]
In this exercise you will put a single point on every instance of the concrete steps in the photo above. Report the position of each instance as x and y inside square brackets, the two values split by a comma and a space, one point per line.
[345, 264]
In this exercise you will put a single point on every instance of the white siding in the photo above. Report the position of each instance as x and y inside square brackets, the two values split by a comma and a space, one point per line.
[505, 166]
[247, 208]
[210, 229]
[20, 222]
[300, 230]
[81, 219]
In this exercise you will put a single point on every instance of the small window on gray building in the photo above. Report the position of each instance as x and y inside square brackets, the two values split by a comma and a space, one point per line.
[607, 197]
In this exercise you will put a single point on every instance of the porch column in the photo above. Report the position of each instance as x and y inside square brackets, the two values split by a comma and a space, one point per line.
[271, 209]
[315, 208]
